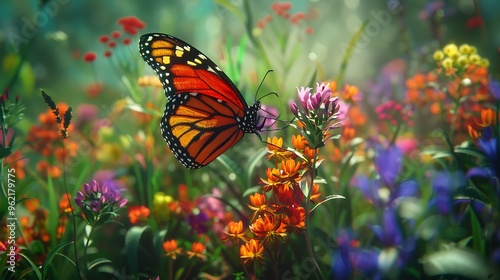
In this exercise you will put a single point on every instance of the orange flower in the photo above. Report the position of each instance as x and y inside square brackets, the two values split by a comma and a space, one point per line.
[350, 94]
[61, 227]
[267, 228]
[64, 203]
[272, 180]
[197, 250]
[251, 252]
[295, 220]
[472, 132]
[44, 168]
[290, 170]
[315, 194]
[348, 133]
[274, 148]
[285, 194]
[356, 116]
[299, 142]
[259, 204]
[170, 247]
[138, 213]
[17, 162]
[149, 80]
[235, 232]
[487, 117]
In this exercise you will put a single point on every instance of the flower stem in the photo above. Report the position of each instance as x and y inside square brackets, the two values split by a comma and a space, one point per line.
[72, 213]
[312, 175]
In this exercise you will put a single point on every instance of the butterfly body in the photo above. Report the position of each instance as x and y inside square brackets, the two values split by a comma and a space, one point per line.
[205, 113]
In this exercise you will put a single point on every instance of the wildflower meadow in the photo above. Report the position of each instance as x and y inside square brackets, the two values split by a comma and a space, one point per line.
[250, 139]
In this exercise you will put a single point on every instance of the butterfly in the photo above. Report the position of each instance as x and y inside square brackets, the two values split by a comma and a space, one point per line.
[205, 113]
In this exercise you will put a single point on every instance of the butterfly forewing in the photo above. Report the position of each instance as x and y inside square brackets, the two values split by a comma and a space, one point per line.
[205, 113]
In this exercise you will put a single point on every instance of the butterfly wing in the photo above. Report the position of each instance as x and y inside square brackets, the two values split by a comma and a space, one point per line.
[205, 114]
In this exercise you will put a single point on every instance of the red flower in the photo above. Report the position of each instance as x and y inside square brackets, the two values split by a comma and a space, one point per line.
[107, 53]
[89, 57]
[475, 22]
[116, 34]
[131, 24]
[127, 41]
[104, 39]
[112, 44]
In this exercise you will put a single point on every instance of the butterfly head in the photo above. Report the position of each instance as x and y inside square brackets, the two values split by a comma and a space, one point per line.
[249, 122]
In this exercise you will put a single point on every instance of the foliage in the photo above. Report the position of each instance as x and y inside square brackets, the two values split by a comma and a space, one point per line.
[396, 177]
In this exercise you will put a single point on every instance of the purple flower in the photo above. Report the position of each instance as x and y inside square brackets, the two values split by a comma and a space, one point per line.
[443, 187]
[95, 206]
[494, 87]
[212, 205]
[388, 162]
[491, 170]
[389, 233]
[321, 99]
[99, 199]
[198, 222]
[304, 94]
[270, 116]
[318, 112]
[381, 196]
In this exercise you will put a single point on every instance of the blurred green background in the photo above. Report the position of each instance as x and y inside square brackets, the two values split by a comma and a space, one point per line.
[41, 42]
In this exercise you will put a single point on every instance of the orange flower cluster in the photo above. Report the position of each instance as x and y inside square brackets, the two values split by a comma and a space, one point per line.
[172, 250]
[45, 139]
[138, 213]
[462, 97]
[420, 92]
[277, 210]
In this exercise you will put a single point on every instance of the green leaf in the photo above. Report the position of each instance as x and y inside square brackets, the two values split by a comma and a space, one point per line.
[232, 8]
[478, 241]
[51, 256]
[251, 190]
[456, 261]
[330, 197]
[97, 262]
[132, 244]
[470, 151]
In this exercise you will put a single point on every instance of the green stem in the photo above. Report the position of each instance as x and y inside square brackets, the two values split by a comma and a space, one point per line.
[72, 213]
[87, 243]
[307, 207]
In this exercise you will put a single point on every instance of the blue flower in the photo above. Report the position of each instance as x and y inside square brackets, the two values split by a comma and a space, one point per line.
[443, 186]
[388, 162]
[494, 87]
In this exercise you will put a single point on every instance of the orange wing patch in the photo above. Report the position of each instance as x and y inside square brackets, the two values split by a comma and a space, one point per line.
[204, 127]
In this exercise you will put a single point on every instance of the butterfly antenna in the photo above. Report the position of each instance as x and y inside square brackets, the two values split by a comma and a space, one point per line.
[261, 82]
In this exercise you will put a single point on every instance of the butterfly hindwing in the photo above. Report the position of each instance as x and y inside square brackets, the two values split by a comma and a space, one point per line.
[196, 132]
[205, 113]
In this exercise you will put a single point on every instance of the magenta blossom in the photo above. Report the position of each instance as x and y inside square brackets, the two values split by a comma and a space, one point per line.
[318, 113]
[99, 202]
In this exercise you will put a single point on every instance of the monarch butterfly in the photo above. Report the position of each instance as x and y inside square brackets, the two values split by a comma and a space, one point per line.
[205, 113]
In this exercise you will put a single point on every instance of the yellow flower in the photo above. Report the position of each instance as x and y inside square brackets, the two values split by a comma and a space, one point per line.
[438, 55]
[450, 48]
[454, 54]
[161, 210]
[484, 62]
[465, 49]
[447, 63]
[462, 60]
[474, 59]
